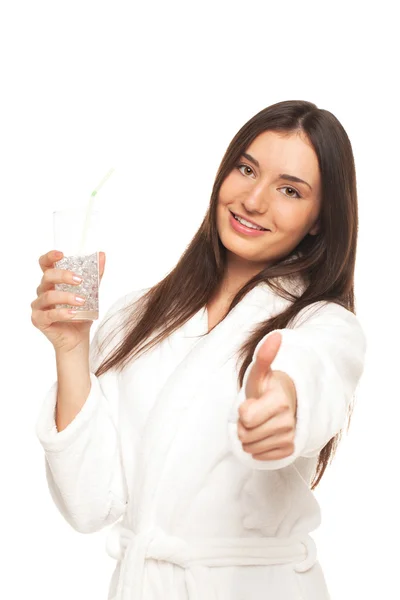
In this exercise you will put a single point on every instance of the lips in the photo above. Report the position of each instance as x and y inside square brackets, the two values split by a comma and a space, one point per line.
[250, 220]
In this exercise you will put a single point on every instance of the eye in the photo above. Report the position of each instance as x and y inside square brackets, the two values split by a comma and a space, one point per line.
[242, 165]
[239, 166]
[293, 190]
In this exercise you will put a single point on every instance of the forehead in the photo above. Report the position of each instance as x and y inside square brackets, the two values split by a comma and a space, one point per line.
[286, 153]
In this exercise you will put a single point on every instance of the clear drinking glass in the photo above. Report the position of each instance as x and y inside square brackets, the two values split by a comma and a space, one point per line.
[77, 235]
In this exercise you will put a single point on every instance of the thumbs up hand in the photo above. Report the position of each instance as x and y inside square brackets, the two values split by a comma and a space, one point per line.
[267, 418]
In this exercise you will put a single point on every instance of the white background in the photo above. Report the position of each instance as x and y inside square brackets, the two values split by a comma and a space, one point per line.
[157, 90]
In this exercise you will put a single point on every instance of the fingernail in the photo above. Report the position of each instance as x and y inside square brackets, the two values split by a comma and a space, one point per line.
[77, 278]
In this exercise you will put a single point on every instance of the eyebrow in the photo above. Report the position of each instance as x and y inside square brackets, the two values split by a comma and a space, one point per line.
[281, 176]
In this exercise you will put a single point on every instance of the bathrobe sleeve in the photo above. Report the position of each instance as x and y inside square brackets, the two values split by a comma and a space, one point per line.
[324, 356]
[83, 461]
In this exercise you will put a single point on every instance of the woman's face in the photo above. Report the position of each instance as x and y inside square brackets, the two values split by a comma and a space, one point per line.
[264, 194]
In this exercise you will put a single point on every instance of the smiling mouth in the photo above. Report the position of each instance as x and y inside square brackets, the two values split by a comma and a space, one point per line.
[251, 225]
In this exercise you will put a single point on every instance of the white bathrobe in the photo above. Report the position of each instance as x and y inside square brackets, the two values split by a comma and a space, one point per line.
[157, 445]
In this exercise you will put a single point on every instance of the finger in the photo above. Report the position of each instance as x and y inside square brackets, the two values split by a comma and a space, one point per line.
[44, 318]
[274, 442]
[268, 351]
[253, 412]
[276, 425]
[52, 297]
[276, 454]
[47, 260]
[53, 276]
[265, 356]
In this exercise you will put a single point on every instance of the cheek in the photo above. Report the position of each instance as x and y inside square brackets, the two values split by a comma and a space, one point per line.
[224, 201]
[220, 214]
[229, 189]
[291, 219]
[223, 198]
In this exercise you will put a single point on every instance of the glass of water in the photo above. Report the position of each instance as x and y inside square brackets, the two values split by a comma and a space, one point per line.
[77, 236]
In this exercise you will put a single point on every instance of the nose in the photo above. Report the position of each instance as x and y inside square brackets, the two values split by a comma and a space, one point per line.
[257, 200]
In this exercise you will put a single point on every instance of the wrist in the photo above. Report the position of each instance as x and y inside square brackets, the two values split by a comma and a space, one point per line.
[79, 354]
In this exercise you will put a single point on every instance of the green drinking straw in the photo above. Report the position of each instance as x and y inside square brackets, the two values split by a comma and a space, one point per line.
[90, 205]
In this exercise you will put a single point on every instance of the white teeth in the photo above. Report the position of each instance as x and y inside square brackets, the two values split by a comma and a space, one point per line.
[247, 223]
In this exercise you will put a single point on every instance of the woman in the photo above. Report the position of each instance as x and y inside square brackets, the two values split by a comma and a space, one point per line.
[207, 408]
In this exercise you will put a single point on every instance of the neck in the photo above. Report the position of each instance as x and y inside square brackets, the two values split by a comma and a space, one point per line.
[237, 273]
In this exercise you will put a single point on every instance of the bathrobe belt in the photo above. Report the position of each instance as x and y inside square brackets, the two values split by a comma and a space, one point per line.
[196, 556]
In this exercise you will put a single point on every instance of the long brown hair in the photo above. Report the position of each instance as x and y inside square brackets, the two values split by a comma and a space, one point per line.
[324, 261]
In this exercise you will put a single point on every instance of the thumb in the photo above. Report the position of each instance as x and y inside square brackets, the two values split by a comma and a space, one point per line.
[262, 365]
